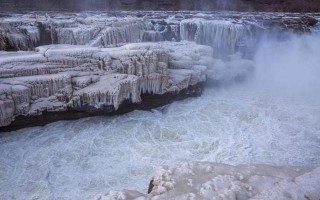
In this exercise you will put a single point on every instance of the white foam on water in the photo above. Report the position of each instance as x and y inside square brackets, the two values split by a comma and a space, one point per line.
[79, 159]
[240, 124]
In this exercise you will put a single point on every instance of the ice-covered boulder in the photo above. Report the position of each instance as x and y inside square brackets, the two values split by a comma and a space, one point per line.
[57, 78]
[194, 180]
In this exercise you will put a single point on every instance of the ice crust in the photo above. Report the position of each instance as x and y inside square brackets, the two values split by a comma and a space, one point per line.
[196, 180]
[58, 77]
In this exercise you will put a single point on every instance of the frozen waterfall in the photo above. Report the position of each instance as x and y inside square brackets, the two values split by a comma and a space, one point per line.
[225, 37]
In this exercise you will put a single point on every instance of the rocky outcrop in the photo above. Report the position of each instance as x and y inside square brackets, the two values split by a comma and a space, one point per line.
[301, 24]
[219, 181]
[59, 78]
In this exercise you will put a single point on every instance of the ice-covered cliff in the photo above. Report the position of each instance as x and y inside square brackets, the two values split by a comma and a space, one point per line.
[61, 77]
[226, 33]
[220, 181]
[25, 32]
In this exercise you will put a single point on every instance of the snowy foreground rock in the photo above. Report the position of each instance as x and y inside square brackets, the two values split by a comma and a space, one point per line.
[61, 77]
[219, 181]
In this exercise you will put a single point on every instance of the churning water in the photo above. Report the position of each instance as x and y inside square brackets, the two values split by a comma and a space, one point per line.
[272, 119]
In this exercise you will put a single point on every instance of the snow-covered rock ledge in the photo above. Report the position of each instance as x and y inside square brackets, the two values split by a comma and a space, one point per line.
[63, 78]
[189, 181]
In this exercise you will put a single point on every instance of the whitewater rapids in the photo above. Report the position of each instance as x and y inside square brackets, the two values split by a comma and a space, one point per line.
[240, 124]
[79, 159]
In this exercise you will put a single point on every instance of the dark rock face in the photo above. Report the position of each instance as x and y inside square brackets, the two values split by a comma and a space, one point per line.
[150, 187]
[301, 24]
[297, 24]
[240, 5]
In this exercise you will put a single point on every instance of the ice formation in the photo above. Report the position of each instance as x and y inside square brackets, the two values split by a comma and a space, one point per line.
[58, 77]
[29, 31]
[225, 33]
[226, 37]
[219, 181]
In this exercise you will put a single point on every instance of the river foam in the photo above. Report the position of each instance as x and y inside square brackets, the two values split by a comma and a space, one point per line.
[81, 158]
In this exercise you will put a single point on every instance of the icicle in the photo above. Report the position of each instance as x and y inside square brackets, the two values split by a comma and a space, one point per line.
[60, 76]
[125, 33]
[224, 36]
[109, 90]
[21, 96]
[7, 107]
[152, 36]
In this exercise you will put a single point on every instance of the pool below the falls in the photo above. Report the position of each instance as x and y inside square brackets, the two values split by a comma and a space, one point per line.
[82, 158]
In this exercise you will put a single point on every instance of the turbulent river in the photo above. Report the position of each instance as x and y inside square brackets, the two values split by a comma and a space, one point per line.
[272, 119]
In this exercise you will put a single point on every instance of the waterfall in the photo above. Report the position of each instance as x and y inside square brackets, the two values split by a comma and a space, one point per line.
[225, 37]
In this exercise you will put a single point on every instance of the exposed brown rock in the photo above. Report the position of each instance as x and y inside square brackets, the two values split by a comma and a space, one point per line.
[150, 187]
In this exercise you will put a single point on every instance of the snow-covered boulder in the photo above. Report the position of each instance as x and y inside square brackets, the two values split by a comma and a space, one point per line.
[196, 180]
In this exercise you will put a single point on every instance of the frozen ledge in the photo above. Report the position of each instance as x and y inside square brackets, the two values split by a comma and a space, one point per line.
[63, 78]
[218, 181]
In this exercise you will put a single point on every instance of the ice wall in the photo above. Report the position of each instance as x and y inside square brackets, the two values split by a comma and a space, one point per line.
[61, 77]
[28, 31]
[226, 33]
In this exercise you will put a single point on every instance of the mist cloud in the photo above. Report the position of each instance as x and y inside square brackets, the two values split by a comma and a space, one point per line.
[290, 66]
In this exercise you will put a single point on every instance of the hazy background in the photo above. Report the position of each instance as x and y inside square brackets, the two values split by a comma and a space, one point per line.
[241, 5]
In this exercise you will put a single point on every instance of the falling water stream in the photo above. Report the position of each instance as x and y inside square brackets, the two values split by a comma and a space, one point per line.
[273, 118]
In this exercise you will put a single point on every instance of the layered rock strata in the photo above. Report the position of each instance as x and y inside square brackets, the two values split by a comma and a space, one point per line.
[58, 78]
[220, 181]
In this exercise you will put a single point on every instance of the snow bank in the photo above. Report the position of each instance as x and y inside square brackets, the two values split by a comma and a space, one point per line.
[193, 180]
